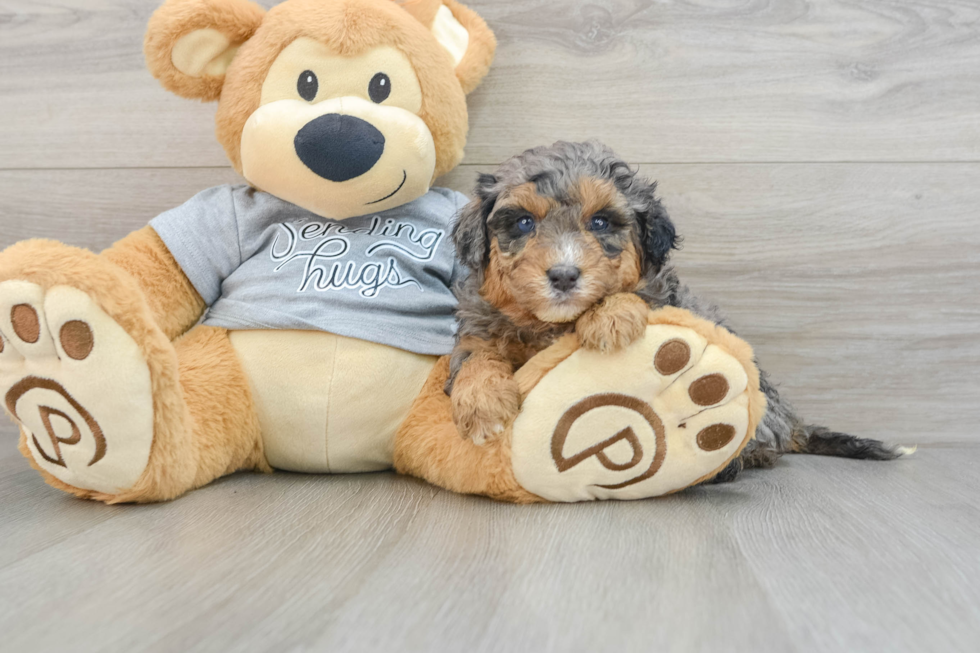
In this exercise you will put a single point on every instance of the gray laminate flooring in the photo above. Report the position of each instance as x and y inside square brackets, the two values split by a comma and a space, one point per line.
[816, 555]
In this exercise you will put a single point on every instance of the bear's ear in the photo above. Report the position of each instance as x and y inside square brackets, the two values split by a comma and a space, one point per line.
[461, 32]
[190, 43]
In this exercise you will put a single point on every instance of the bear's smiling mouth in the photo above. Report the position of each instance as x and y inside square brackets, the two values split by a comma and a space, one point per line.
[392, 193]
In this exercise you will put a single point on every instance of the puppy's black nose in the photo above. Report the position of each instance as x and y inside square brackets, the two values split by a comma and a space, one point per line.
[564, 278]
[338, 147]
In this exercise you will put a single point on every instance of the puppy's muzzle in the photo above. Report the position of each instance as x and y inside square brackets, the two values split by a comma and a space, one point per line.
[564, 278]
[339, 147]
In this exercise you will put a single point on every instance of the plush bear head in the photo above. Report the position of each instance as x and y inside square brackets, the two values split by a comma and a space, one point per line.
[343, 107]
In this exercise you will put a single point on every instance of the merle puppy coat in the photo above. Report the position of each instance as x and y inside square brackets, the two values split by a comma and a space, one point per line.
[553, 233]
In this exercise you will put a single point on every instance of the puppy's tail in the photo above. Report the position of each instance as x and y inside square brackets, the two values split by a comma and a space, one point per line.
[819, 440]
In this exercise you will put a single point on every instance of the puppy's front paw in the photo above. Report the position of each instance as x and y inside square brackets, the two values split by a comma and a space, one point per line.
[614, 324]
[484, 404]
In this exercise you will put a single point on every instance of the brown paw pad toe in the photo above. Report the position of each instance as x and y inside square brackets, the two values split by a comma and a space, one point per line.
[27, 325]
[77, 339]
[716, 436]
[672, 357]
[708, 390]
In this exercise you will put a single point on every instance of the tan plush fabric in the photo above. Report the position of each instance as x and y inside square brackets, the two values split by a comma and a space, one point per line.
[48, 264]
[428, 446]
[222, 421]
[233, 51]
[592, 419]
[424, 11]
[206, 424]
[268, 150]
[664, 456]
[52, 393]
[203, 52]
[215, 402]
[129, 310]
[327, 403]
[174, 303]
[480, 48]
[348, 27]
[450, 33]
[443, 108]
[696, 439]
[237, 20]
[202, 415]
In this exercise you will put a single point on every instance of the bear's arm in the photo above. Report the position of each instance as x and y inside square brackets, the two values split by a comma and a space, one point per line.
[175, 304]
[182, 258]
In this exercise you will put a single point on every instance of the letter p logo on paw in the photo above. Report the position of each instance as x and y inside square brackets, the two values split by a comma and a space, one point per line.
[591, 416]
[51, 449]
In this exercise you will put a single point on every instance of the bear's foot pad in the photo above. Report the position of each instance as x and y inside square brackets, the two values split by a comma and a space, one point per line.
[77, 384]
[668, 411]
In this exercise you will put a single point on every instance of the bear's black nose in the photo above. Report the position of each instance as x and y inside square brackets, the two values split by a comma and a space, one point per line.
[338, 147]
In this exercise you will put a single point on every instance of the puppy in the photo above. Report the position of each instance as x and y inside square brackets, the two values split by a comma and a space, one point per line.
[566, 238]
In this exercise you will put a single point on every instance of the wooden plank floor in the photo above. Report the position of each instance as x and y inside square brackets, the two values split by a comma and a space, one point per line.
[822, 160]
[816, 555]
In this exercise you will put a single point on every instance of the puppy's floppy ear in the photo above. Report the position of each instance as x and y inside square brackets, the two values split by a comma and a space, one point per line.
[461, 32]
[190, 43]
[470, 231]
[657, 233]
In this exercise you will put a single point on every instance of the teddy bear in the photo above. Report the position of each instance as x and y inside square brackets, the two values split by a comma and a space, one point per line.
[301, 321]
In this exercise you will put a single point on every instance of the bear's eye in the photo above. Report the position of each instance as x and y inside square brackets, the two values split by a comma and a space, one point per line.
[380, 88]
[307, 85]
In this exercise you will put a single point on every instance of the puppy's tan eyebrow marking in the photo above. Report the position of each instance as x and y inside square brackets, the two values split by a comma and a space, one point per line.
[595, 195]
[526, 196]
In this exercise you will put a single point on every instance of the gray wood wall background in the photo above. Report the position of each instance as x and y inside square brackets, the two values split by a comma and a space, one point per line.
[821, 158]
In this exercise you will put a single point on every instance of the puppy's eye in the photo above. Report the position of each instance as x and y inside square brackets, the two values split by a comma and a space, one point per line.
[526, 224]
[380, 88]
[307, 85]
[598, 223]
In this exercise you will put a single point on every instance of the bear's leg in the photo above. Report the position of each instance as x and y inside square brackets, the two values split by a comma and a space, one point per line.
[99, 390]
[428, 446]
[223, 422]
[671, 410]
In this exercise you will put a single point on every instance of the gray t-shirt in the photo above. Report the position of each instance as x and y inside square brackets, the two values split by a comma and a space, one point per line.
[262, 263]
